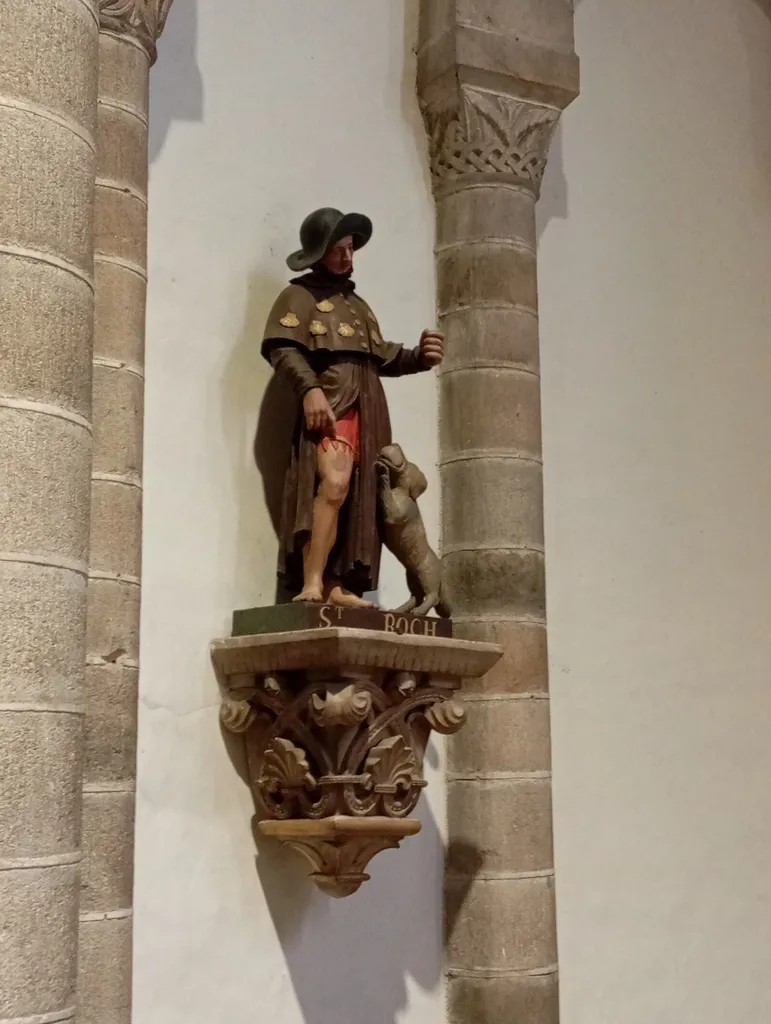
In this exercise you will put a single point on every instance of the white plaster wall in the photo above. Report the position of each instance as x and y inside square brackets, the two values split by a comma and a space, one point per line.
[263, 111]
[656, 315]
[656, 337]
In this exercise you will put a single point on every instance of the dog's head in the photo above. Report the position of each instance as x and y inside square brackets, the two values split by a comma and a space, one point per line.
[393, 461]
[401, 473]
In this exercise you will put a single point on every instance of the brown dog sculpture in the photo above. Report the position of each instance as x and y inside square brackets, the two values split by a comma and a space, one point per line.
[400, 484]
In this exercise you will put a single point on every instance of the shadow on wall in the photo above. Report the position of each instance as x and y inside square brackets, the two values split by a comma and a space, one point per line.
[350, 960]
[271, 449]
[553, 204]
[251, 394]
[409, 104]
[275, 424]
[176, 83]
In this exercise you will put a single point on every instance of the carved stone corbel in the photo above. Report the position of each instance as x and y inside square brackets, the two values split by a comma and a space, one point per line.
[335, 723]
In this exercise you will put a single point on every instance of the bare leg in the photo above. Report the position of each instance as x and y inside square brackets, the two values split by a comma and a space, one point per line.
[334, 467]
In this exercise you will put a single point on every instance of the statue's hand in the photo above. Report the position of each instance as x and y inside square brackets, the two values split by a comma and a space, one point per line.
[318, 414]
[431, 348]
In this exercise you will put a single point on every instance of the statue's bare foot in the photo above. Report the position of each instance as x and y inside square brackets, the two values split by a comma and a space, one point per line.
[312, 592]
[345, 599]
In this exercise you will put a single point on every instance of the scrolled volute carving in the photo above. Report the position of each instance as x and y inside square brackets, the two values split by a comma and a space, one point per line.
[446, 717]
[490, 134]
[144, 20]
[237, 716]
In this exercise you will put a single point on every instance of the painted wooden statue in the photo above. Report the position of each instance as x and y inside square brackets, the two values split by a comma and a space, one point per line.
[323, 338]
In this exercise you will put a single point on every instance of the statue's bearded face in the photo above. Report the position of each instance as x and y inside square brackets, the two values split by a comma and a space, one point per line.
[339, 259]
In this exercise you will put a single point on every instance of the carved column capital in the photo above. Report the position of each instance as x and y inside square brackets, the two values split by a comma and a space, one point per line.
[489, 136]
[142, 20]
[493, 79]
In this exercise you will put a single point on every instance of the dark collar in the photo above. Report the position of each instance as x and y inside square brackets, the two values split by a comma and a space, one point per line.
[322, 283]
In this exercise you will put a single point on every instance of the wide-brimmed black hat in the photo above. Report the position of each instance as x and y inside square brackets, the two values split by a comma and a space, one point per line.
[322, 229]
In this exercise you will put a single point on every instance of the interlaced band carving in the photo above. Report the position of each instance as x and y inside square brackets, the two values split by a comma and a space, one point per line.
[491, 134]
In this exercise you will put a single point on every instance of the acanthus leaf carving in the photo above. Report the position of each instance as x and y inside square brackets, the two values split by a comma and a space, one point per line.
[286, 767]
[491, 134]
[144, 20]
[391, 765]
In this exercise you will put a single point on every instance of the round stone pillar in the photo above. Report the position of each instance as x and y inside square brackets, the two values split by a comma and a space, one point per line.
[493, 79]
[502, 953]
[126, 50]
[48, 82]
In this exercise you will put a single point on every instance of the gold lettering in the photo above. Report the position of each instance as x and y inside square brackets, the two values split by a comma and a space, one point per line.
[402, 626]
[324, 616]
[430, 628]
[414, 626]
[389, 623]
[339, 612]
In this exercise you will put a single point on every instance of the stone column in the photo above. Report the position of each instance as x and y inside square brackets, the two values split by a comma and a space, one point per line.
[48, 74]
[493, 79]
[129, 30]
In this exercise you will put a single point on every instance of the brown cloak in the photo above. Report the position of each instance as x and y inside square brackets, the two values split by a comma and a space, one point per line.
[331, 339]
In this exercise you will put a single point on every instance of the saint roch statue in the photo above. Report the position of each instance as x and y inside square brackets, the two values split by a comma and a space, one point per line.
[323, 338]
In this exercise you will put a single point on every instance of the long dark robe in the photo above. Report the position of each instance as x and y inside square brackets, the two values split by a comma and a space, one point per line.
[348, 379]
[355, 558]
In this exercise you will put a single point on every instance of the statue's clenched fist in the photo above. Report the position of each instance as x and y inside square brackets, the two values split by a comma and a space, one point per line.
[431, 347]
